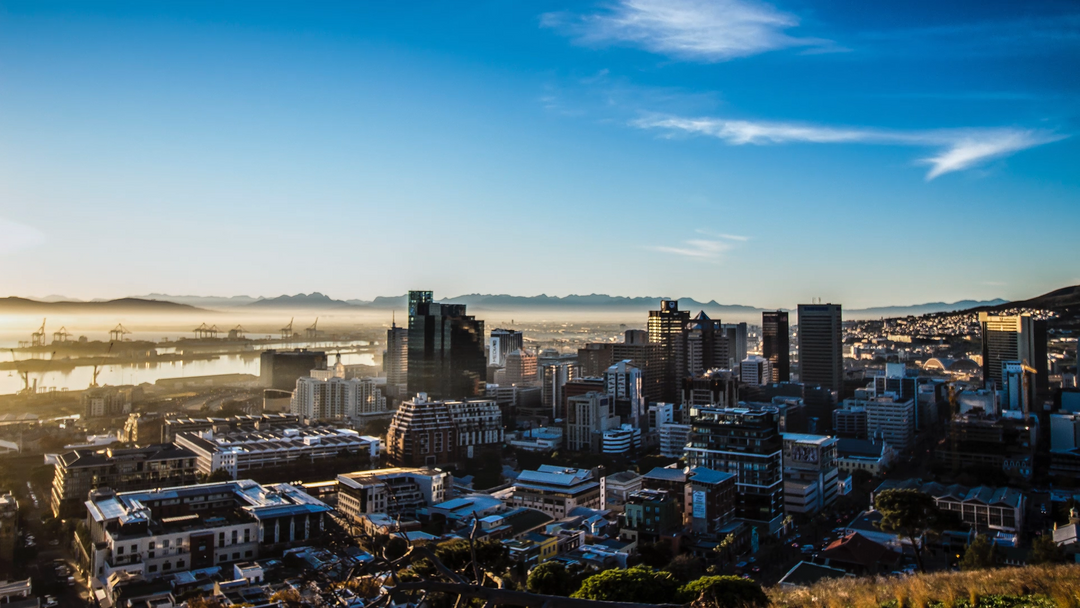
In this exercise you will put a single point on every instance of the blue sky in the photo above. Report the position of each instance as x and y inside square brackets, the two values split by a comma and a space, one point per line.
[864, 153]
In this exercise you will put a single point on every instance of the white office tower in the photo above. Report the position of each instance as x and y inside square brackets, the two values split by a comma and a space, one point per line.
[501, 343]
[623, 382]
[755, 370]
[335, 398]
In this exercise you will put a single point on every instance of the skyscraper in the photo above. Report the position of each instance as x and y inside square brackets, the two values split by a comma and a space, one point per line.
[776, 344]
[821, 347]
[622, 382]
[667, 327]
[737, 346]
[1013, 338]
[708, 345]
[501, 343]
[446, 349]
[396, 356]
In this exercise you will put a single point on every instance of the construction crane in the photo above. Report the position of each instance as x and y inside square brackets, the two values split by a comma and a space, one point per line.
[61, 335]
[286, 332]
[313, 332]
[38, 337]
[237, 333]
[117, 333]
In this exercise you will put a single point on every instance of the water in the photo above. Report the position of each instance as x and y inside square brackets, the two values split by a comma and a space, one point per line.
[79, 378]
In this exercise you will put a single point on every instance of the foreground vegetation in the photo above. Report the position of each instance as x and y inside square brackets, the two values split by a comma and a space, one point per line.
[1040, 586]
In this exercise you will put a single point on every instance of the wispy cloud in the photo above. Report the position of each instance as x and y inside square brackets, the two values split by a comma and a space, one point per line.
[16, 237]
[957, 149]
[696, 30]
[710, 249]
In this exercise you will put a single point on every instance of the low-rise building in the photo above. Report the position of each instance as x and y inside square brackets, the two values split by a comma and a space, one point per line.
[79, 471]
[874, 457]
[652, 513]
[395, 491]
[712, 500]
[621, 485]
[242, 452]
[984, 508]
[159, 532]
[557, 490]
[542, 439]
[228, 424]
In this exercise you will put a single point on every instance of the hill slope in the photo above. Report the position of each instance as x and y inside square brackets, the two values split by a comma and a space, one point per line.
[14, 306]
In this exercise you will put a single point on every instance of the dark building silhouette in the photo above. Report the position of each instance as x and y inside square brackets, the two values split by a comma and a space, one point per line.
[280, 368]
[446, 349]
[776, 344]
[1014, 338]
[667, 327]
[821, 346]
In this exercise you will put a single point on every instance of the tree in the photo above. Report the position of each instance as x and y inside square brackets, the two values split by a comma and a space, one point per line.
[218, 475]
[656, 555]
[637, 584]
[981, 554]
[1045, 551]
[686, 567]
[724, 591]
[908, 513]
[550, 578]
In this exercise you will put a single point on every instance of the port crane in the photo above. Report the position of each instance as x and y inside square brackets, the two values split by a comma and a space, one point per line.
[61, 335]
[313, 331]
[38, 337]
[286, 332]
[206, 331]
[117, 333]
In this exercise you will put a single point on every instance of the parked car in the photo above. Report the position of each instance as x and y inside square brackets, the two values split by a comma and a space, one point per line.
[50, 602]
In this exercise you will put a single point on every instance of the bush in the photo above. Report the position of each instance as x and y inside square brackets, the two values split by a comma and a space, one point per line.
[550, 578]
[724, 591]
[638, 584]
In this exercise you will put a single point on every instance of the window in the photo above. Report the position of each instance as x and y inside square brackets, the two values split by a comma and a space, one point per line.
[222, 557]
[221, 539]
[179, 563]
[152, 568]
[236, 555]
[165, 543]
[166, 566]
[152, 546]
[248, 554]
[119, 550]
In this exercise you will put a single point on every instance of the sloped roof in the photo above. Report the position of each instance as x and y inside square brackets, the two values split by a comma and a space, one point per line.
[858, 550]
[804, 574]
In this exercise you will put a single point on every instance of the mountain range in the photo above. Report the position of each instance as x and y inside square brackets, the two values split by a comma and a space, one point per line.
[315, 301]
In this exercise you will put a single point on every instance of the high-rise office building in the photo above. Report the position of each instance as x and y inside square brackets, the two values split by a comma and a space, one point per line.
[501, 343]
[396, 356]
[1013, 338]
[748, 444]
[821, 346]
[709, 345]
[623, 382]
[446, 349]
[521, 368]
[280, 368]
[776, 344]
[755, 370]
[667, 327]
[588, 416]
[552, 393]
[737, 346]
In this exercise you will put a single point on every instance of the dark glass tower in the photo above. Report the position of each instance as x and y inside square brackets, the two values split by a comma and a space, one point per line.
[446, 349]
[776, 344]
[821, 346]
[667, 327]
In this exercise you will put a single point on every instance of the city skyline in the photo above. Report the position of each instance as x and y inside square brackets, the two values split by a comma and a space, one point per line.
[743, 152]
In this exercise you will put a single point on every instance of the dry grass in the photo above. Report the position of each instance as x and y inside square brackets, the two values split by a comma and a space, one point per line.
[1061, 584]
